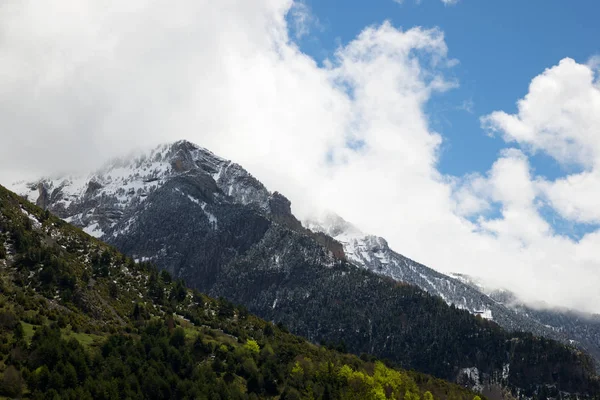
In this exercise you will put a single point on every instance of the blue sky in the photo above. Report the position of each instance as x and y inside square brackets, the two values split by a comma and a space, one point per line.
[500, 45]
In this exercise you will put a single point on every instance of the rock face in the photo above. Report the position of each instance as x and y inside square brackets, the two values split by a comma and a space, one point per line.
[208, 221]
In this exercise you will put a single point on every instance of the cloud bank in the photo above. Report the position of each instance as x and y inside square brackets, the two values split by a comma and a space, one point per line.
[83, 81]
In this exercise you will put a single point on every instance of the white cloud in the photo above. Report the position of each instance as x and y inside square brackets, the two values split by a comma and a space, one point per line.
[575, 197]
[82, 81]
[558, 116]
[302, 19]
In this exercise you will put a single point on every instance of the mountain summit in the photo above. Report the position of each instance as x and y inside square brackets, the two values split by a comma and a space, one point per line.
[99, 201]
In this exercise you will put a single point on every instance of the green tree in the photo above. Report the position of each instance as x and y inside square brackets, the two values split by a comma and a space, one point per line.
[19, 332]
[113, 290]
[179, 292]
[177, 337]
[165, 276]
[252, 346]
[12, 382]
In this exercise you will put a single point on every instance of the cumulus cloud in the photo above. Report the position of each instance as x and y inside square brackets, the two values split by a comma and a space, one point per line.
[559, 115]
[81, 82]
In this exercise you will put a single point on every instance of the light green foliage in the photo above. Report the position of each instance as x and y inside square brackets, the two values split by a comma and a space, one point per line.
[297, 370]
[384, 383]
[252, 346]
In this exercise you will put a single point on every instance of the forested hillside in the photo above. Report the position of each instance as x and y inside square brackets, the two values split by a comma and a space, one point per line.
[78, 320]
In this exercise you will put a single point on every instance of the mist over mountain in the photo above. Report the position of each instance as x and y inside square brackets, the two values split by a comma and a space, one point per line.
[377, 126]
[299, 199]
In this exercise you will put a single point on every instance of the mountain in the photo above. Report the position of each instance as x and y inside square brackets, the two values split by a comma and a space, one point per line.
[79, 320]
[374, 254]
[208, 221]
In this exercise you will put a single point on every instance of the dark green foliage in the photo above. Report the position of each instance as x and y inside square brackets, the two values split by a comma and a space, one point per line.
[12, 382]
[159, 365]
[178, 292]
[113, 290]
[226, 308]
[165, 277]
[18, 332]
[367, 313]
[80, 321]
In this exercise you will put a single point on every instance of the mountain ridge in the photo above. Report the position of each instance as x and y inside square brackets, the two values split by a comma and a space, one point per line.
[236, 242]
[373, 253]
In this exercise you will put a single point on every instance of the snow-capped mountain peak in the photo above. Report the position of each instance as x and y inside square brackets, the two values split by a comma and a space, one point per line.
[97, 201]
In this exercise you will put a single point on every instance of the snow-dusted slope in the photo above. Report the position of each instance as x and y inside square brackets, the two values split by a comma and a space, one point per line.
[580, 328]
[98, 201]
[373, 253]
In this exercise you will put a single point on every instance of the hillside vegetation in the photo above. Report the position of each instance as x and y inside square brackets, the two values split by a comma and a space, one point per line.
[78, 320]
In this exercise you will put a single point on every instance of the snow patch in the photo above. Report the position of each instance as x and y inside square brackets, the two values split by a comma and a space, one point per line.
[193, 200]
[94, 230]
[472, 374]
[485, 314]
[505, 371]
[34, 221]
[211, 217]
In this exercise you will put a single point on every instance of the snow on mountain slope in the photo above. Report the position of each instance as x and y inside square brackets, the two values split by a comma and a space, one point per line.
[98, 201]
[373, 253]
